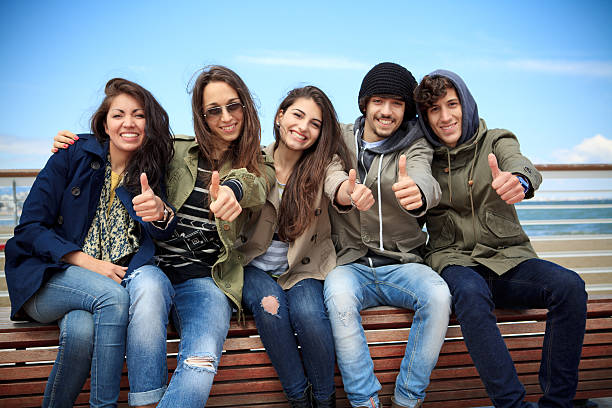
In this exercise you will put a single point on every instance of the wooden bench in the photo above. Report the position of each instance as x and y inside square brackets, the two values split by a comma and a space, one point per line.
[247, 379]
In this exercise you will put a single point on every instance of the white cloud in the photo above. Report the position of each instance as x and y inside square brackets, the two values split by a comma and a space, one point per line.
[597, 149]
[301, 60]
[19, 153]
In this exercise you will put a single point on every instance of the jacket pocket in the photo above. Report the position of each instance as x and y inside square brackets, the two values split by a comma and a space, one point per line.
[441, 230]
[502, 227]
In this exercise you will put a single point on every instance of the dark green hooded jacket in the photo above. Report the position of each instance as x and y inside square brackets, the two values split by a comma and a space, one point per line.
[472, 225]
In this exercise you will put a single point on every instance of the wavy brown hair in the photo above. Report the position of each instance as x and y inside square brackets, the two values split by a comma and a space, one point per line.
[297, 205]
[157, 148]
[429, 91]
[245, 150]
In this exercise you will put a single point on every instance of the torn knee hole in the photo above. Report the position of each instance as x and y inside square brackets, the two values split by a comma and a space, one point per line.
[270, 304]
[204, 362]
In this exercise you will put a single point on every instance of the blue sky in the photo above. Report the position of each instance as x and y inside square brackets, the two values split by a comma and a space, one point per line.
[542, 69]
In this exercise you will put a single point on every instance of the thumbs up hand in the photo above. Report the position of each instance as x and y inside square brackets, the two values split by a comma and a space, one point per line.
[223, 201]
[147, 205]
[505, 184]
[352, 193]
[406, 191]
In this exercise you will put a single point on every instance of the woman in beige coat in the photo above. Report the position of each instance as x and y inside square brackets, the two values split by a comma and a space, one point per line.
[290, 251]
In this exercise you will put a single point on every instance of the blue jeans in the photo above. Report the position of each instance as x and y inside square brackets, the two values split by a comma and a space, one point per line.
[534, 283]
[86, 302]
[353, 287]
[202, 315]
[151, 296]
[278, 315]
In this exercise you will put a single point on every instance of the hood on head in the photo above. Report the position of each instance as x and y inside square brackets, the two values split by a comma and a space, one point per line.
[470, 119]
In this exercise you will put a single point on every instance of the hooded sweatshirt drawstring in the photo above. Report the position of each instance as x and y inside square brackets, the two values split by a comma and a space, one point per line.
[471, 187]
[450, 184]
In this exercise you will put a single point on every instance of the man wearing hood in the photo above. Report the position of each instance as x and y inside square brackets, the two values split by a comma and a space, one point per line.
[478, 245]
[379, 250]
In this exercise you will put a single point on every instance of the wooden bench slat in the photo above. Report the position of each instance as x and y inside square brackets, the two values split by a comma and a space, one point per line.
[246, 377]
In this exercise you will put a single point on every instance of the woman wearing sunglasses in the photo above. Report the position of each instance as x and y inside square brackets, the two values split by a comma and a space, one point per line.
[290, 249]
[210, 180]
[86, 229]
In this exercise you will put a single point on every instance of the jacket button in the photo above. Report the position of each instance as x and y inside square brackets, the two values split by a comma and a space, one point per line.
[75, 191]
[317, 212]
[95, 165]
[471, 182]
[60, 220]
[306, 260]
[243, 239]
[366, 237]
[446, 169]
[226, 227]
[313, 237]
[228, 285]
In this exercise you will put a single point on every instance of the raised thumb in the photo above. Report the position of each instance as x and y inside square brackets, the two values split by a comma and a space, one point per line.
[214, 185]
[352, 180]
[144, 183]
[402, 166]
[493, 165]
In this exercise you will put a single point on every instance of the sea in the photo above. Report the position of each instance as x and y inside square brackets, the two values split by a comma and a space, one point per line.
[564, 216]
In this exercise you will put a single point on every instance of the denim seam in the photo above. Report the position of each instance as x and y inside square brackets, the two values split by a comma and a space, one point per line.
[59, 366]
[94, 360]
[414, 348]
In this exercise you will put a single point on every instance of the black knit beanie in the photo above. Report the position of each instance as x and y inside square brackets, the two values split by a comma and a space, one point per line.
[388, 78]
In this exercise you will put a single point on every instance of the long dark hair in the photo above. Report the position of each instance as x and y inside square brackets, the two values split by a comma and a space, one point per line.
[245, 150]
[157, 147]
[299, 198]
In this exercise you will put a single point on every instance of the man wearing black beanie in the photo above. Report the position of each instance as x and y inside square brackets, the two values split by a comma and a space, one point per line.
[379, 250]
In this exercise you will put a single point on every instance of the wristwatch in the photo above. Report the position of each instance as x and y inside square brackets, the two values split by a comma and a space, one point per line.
[524, 183]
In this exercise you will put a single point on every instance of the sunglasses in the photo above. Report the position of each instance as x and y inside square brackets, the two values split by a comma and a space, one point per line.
[231, 108]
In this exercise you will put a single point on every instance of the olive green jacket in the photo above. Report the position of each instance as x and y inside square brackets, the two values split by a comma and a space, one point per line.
[312, 254]
[386, 229]
[472, 225]
[227, 272]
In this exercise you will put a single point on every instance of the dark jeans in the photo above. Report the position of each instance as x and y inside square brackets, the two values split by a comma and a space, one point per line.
[534, 283]
[301, 310]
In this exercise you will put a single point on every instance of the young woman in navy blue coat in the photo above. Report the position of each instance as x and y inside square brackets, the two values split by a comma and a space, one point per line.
[86, 229]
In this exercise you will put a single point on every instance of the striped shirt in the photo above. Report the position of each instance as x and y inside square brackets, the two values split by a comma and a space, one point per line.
[274, 261]
[194, 246]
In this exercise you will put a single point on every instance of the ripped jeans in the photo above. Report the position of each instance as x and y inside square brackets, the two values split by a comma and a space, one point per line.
[353, 287]
[202, 315]
[278, 315]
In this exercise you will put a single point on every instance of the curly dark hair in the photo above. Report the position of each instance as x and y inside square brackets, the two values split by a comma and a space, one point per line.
[429, 91]
[156, 150]
[297, 204]
[245, 151]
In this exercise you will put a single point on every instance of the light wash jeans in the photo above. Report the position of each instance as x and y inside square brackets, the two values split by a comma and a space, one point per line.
[151, 296]
[353, 287]
[202, 315]
[90, 306]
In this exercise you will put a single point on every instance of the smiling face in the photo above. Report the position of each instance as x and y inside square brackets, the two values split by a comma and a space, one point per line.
[445, 117]
[227, 126]
[125, 124]
[300, 125]
[384, 115]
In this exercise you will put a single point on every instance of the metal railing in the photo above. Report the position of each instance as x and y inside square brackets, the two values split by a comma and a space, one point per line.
[559, 180]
